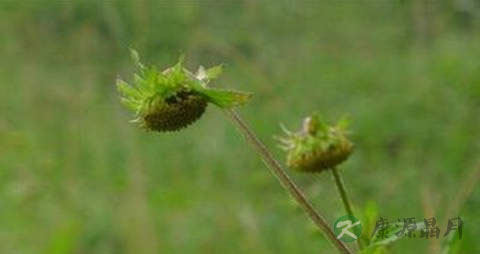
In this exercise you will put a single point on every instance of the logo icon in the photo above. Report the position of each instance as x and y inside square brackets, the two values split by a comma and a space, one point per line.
[347, 228]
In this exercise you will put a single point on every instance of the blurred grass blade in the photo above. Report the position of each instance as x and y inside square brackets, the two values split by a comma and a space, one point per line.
[390, 238]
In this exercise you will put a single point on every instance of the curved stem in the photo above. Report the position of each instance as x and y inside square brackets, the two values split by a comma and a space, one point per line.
[343, 194]
[286, 182]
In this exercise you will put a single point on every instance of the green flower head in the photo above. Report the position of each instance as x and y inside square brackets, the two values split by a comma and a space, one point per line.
[317, 146]
[172, 99]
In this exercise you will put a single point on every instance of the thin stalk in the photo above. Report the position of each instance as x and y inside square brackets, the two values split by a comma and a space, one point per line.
[343, 194]
[286, 182]
[342, 191]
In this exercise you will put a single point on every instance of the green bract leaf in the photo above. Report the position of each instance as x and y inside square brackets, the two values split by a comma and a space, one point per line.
[214, 72]
[136, 58]
[223, 98]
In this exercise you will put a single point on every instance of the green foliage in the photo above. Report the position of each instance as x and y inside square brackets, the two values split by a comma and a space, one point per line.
[369, 217]
[379, 243]
[451, 245]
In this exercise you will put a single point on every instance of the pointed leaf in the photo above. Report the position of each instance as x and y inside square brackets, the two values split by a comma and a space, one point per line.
[226, 98]
[136, 58]
[126, 90]
[221, 98]
[214, 72]
[130, 104]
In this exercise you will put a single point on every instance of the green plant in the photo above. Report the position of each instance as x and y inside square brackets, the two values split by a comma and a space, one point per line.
[174, 98]
[318, 147]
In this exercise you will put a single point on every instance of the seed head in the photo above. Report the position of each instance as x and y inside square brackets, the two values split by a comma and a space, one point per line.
[172, 99]
[317, 146]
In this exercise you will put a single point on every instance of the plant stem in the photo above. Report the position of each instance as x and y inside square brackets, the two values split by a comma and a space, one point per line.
[342, 191]
[286, 182]
[343, 194]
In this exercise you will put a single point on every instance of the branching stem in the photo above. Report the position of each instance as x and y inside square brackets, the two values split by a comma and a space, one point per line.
[286, 182]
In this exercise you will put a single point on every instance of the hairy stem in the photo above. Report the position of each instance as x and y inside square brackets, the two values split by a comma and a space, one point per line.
[286, 182]
[343, 194]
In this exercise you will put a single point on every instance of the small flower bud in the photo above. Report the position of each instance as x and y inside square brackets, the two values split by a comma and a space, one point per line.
[317, 146]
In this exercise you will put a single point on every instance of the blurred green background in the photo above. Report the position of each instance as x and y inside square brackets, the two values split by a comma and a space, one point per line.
[76, 177]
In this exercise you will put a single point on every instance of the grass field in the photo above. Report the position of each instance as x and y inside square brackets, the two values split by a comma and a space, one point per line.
[76, 177]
